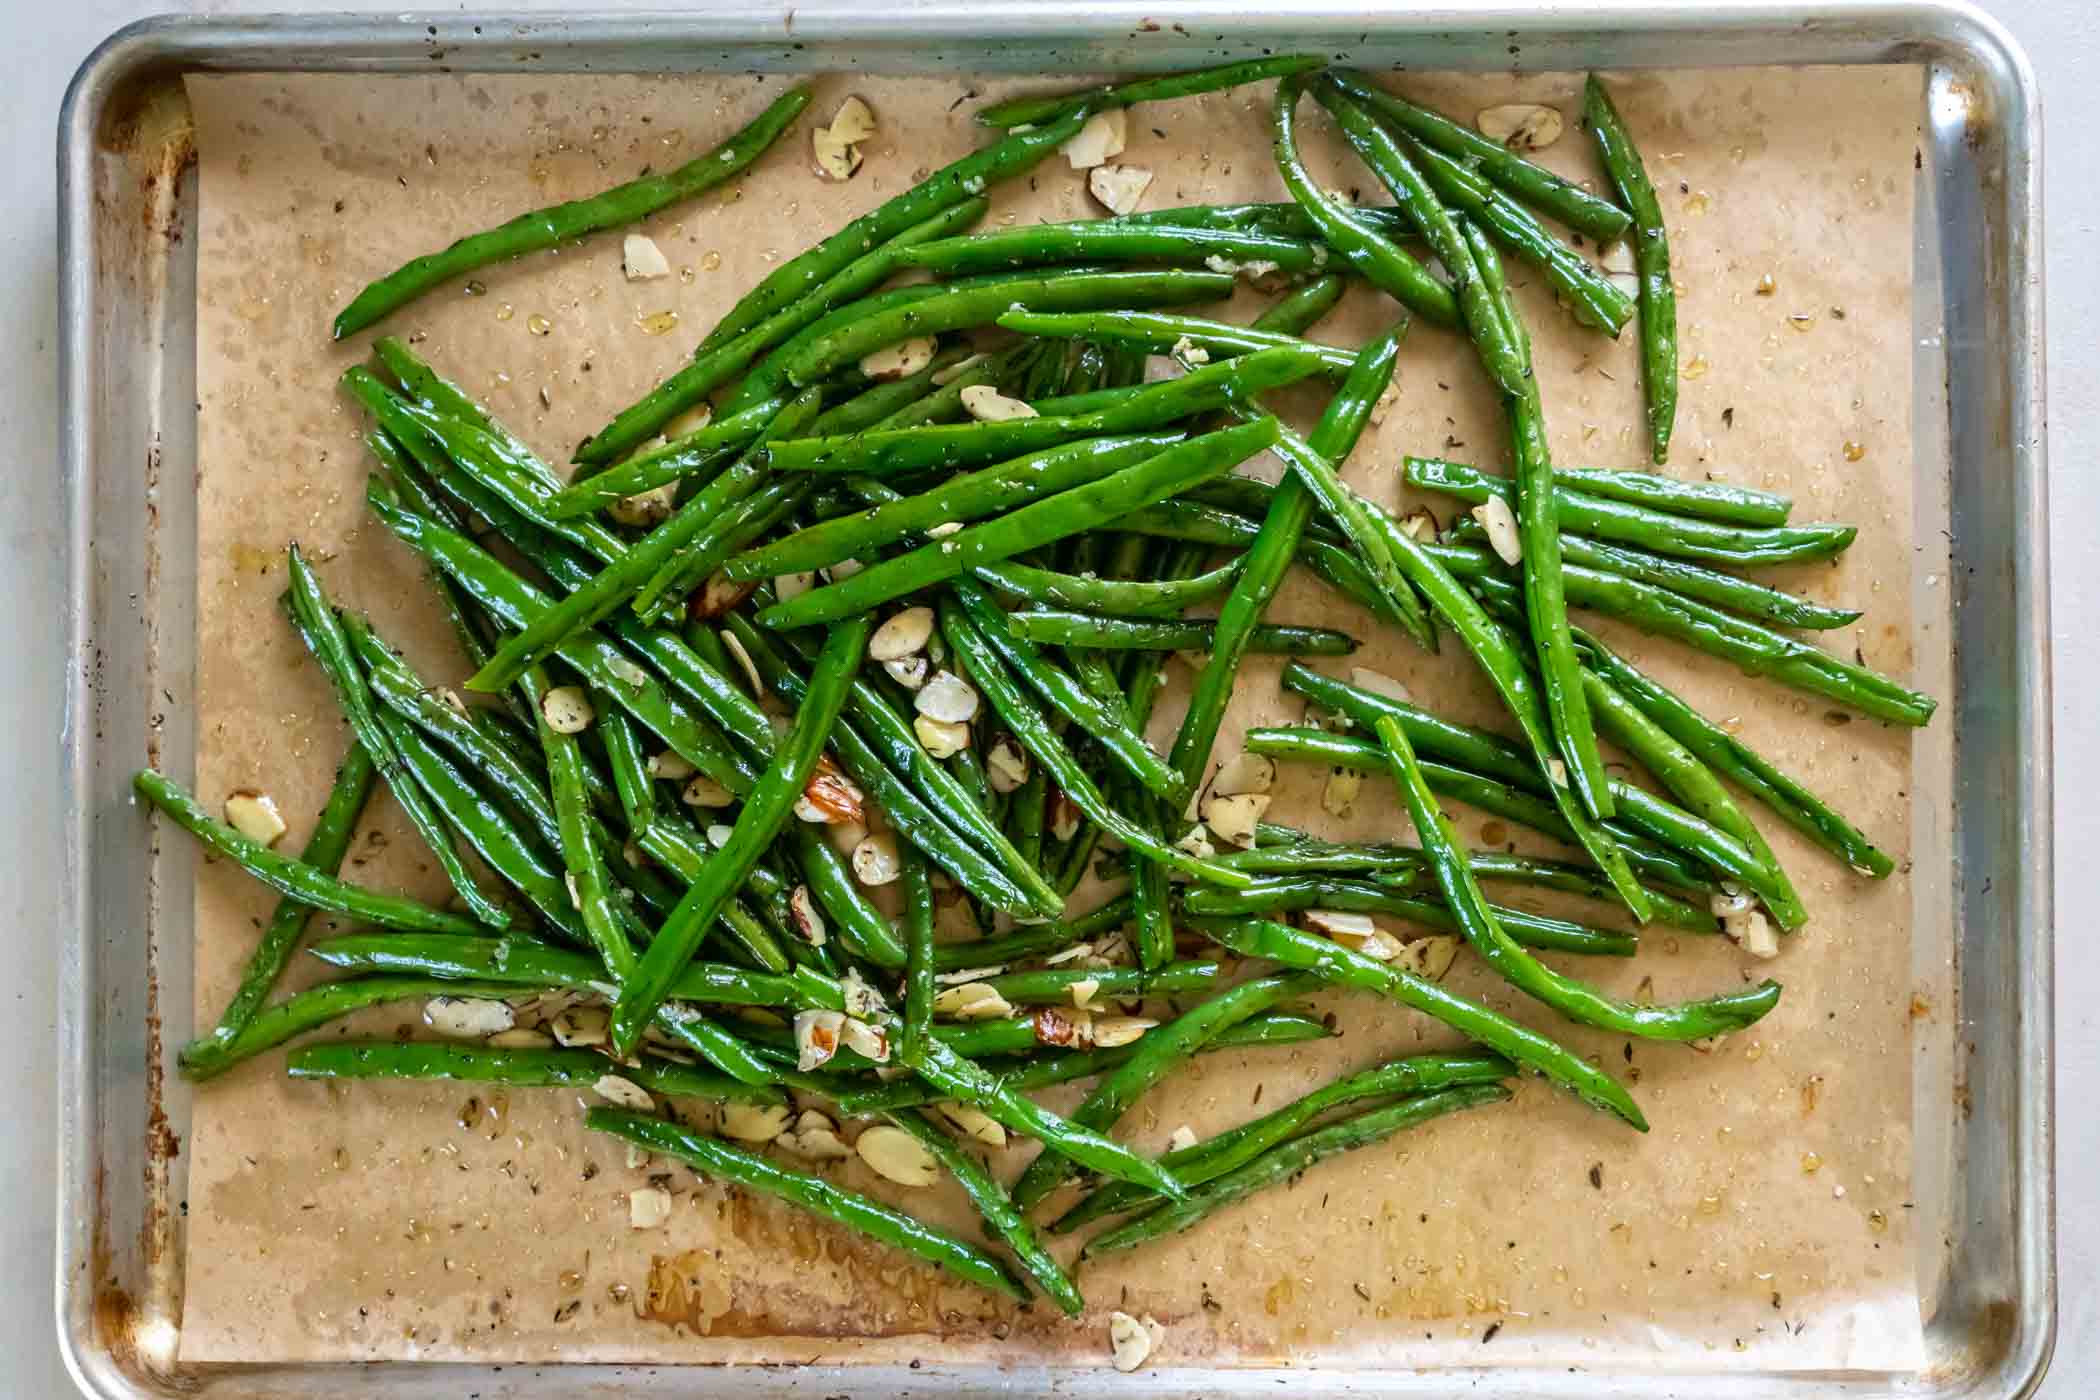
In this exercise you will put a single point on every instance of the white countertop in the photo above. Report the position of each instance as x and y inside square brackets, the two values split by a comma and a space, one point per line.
[50, 40]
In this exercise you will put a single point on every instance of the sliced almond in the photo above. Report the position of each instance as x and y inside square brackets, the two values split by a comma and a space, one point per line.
[581, 1025]
[816, 1137]
[1521, 126]
[817, 1036]
[450, 699]
[910, 672]
[864, 1039]
[691, 421]
[973, 1122]
[718, 597]
[641, 259]
[830, 796]
[254, 815]
[617, 1089]
[944, 529]
[948, 374]
[743, 660]
[899, 361]
[853, 122]
[972, 1001]
[1063, 815]
[1557, 772]
[1131, 1340]
[1617, 256]
[836, 158]
[1420, 525]
[895, 1155]
[802, 912]
[520, 1038]
[567, 709]
[1730, 900]
[947, 697]
[940, 738]
[1753, 932]
[1708, 1044]
[1500, 522]
[1431, 957]
[1119, 187]
[1338, 797]
[875, 860]
[670, 767]
[1065, 955]
[718, 835]
[987, 405]
[1083, 992]
[1235, 818]
[1181, 1139]
[1103, 136]
[967, 974]
[788, 586]
[1244, 773]
[1006, 765]
[468, 1018]
[703, 791]
[1111, 1031]
[1627, 282]
[1340, 923]
[752, 1122]
[901, 634]
[1189, 352]
[1055, 1026]
[648, 1207]
[1379, 683]
[859, 998]
[844, 569]
[1196, 842]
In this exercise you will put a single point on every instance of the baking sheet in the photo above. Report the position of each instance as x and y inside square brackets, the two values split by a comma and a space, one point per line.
[369, 1222]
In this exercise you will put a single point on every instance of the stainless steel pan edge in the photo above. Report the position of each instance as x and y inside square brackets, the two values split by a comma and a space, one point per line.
[126, 396]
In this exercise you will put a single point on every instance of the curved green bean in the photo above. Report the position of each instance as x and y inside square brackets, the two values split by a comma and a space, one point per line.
[694, 457]
[1160, 333]
[547, 228]
[1162, 634]
[1108, 241]
[524, 962]
[535, 1069]
[328, 1001]
[865, 929]
[1118, 598]
[1286, 1161]
[1295, 312]
[1314, 892]
[1711, 500]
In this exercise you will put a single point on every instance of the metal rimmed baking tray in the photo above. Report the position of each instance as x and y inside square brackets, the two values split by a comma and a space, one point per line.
[128, 300]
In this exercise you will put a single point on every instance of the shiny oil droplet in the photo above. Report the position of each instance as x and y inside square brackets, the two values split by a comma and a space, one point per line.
[1854, 450]
[658, 322]
[1877, 1221]
[505, 311]
[686, 275]
[1696, 367]
[710, 260]
[538, 324]
[1767, 285]
[1709, 1205]
[1802, 322]
[1811, 1163]
[1697, 202]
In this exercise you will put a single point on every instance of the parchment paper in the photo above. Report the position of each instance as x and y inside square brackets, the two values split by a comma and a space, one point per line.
[1762, 1223]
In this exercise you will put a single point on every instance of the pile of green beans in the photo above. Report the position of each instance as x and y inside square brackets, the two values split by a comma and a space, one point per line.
[902, 611]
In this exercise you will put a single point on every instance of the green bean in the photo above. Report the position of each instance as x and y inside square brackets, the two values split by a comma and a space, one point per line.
[723, 1050]
[1113, 596]
[1107, 241]
[419, 380]
[553, 226]
[1105, 720]
[1309, 952]
[944, 404]
[1270, 553]
[1063, 1139]
[811, 1192]
[1035, 734]
[1595, 299]
[848, 334]
[668, 594]
[1651, 258]
[1283, 218]
[1160, 634]
[1534, 184]
[626, 761]
[1677, 575]
[1026, 810]
[1295, 312]
[764, 812]
[1688, 779]
[586, 884]
[1017, 111]
[875, 746]
[317, 1005]
[522, 962]
[1691, 1020]
[487, 1064]
[514, 602]
[1137, 410]
[1367, 250]
[990, 491]
[324, 851]
[954, 183]
[886, 398]
[692, 457]
[1710, 500]
[917, 926]
[1507, 363]
[293, 878]
[1758, 651]
[318, 626]
[996, 1207]
[1606, 519]
[1235, 1147]
[1029, 527]
[720, 361]
[1283, 1162]
[1311, 892]
[1286, 852]
[1040, 1071]
[865, 930]
[1160, 333]
[1799, 807]
[1032, 940]
[1160, 1053]
[1053, 986]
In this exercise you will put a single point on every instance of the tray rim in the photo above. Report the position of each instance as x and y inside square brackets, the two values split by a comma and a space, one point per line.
[1859, 30]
